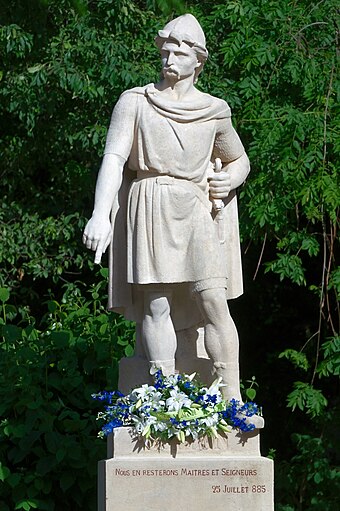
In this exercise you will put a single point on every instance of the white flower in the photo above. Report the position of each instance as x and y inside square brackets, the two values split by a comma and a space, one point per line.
[141, 423]
[160, 426]
[171, 380]
[177, 400]
[165, 411]
[144, 392]
[193, 431]
[211, 420]
[212, 394]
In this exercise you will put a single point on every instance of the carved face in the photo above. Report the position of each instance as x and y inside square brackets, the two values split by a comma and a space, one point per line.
[178, 61]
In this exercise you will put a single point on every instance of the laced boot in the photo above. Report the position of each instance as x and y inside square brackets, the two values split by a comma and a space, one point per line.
[167, 366]
[231, 389]
[230, 379]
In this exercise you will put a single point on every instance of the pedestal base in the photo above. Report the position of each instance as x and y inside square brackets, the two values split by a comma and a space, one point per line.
[223, 474]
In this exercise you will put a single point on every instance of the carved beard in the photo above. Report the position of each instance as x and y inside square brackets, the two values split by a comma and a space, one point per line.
[174, 72]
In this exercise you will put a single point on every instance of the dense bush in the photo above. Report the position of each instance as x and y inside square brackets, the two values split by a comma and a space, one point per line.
[48, 445]
[64, 64]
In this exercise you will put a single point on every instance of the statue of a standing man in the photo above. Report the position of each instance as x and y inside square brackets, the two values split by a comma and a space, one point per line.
[175, 254]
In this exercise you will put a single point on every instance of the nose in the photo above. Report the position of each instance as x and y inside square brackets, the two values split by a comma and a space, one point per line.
[170, 59]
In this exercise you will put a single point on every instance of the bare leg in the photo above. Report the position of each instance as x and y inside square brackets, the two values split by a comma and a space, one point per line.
[222, 345]
[158, 332]
[221, 340]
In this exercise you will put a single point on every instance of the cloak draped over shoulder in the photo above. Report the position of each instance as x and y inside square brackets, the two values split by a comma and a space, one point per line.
[164, 231]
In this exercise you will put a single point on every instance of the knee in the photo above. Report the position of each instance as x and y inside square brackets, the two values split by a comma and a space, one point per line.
[214, 304]
[158, 308]
[214, 298]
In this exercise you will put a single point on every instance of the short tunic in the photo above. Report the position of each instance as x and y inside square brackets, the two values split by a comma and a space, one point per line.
[169, 146]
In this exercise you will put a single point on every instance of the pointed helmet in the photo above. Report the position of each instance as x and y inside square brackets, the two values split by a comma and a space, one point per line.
[185, 29]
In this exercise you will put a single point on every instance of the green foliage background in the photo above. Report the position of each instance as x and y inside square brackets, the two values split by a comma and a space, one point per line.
[63, 66]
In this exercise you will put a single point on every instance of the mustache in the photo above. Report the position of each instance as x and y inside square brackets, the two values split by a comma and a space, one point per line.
[170, 68]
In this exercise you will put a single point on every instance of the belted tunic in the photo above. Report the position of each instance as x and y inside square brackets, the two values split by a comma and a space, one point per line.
[164, 231]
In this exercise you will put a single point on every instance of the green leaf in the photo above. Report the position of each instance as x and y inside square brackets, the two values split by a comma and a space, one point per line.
[14, 479]
[191, 414]
[224, 428]
[4, 472]
[298, 358]
[103, 328]
[61, 338]
[35, 69]
[52, 306]
[60, 454]
[288, 266]
[181, 436]
[129, 351]
[11, 312]
[318, 477]
[330, 365]
[138, 404]
[4, 294]
[26, 505]
[104, 272]
[122, 341]
[306, 397]
[146, 430]
[251, 394]
[11, 333]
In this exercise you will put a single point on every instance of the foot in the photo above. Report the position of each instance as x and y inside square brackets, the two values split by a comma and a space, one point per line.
[229, 393]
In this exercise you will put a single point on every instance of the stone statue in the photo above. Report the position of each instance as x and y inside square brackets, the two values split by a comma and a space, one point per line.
[165, 202]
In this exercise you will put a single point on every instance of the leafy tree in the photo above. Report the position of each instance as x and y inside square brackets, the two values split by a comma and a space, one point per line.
[63, 66]
[280, 63]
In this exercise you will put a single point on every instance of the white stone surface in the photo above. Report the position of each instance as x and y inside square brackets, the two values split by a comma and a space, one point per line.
[227, 476]
[172, 155]
[174, 247]
[123, 443]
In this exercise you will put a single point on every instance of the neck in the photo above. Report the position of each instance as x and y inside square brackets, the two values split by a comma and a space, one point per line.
[176, 89]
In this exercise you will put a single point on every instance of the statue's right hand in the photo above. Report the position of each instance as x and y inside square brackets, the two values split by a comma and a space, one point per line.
[97, 236]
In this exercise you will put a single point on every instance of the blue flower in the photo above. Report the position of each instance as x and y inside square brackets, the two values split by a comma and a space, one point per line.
[188, 385]
[110, 426]
[159, 380]
[120, 410]
[211, 399]
[249, 409]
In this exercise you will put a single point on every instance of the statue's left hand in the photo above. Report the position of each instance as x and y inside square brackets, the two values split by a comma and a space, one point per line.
[220, 185]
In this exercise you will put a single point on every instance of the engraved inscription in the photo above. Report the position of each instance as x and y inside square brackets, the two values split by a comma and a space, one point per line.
[255, 488]
[216, 488]
[242, 484]
[235, 472]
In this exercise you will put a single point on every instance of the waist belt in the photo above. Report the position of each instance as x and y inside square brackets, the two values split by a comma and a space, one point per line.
[171, 180]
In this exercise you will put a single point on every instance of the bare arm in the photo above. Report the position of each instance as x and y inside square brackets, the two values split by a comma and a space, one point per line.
[232, 175]
[98, 231]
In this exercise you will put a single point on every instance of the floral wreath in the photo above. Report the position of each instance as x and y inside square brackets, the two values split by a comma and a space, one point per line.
[176, 406]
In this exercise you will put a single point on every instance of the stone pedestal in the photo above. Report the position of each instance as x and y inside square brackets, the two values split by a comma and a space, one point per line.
[227, 473]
